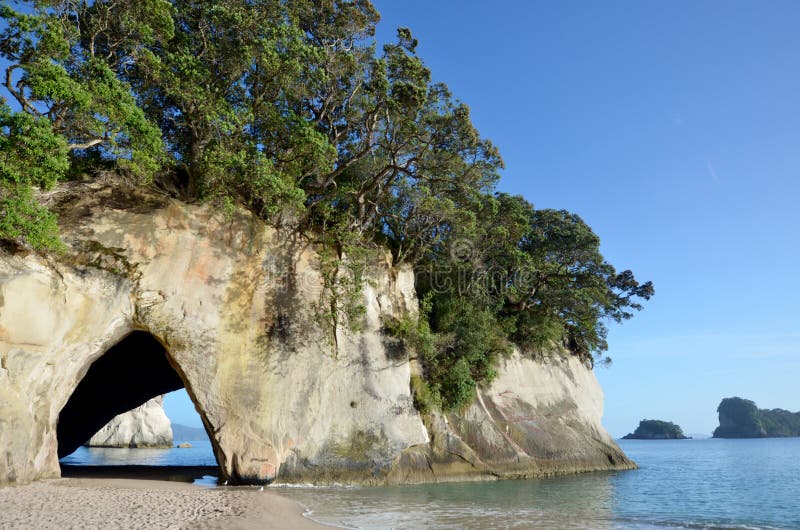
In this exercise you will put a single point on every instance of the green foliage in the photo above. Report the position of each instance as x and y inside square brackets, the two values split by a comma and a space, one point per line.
[457, 344]
[63, 68]
[222, 89]
[425, 400]
[31, 156]
[341, 298]
[290, 110]
[72, 106]
[471, 344]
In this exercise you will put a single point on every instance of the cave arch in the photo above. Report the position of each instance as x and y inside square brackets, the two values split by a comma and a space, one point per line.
[133, 371]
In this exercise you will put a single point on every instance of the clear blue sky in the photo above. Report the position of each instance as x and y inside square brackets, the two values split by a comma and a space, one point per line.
[673, 128]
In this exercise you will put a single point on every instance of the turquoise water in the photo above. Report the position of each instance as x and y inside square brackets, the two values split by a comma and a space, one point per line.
[200, 454]
[680, 484]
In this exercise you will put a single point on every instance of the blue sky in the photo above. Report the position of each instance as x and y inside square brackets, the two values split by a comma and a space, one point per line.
[673, 128]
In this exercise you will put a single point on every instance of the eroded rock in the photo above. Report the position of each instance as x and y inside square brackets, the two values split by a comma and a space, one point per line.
[145, 426]
[283, 394]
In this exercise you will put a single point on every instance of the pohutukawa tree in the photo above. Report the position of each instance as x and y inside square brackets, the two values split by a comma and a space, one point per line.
[291, 110]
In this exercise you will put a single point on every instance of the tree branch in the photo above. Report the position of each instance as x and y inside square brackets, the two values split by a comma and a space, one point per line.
[87, 145]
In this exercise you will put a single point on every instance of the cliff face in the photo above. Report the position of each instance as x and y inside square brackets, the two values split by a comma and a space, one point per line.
[156, 294]
[145, 426]
[538, 418]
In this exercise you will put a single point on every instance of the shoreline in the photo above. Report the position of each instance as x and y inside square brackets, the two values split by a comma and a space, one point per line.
[146, 502]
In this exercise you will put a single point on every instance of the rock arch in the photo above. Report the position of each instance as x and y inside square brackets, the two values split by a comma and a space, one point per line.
[129, 374]
[283, 395]
[233, 303]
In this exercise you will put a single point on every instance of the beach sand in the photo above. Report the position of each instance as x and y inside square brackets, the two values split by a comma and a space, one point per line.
[106, 503]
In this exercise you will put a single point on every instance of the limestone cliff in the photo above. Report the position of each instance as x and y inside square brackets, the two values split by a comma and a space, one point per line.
[155, 294]
[538, 418]
[145, 426]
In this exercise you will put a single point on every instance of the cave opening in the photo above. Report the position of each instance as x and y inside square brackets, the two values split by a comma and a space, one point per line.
[129, 374]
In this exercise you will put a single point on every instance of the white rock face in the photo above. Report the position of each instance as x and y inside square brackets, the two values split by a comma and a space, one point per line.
[283, 394]
[235, 304]
[145, 426]
[537, 418]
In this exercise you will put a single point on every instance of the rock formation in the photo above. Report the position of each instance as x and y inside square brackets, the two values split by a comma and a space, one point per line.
[741, 418]
[656, 430]
[145, 426]
[538, 418]
[154, 295]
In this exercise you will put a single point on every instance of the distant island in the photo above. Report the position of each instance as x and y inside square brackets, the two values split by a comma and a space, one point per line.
[184, 433]
[656, 430]
[741, 418]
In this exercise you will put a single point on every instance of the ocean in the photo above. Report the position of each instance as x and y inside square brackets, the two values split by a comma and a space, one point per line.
[680, 484]
[200, 454]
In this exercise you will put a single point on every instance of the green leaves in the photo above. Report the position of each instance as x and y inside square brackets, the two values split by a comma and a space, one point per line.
[31, 155]
[56, 73]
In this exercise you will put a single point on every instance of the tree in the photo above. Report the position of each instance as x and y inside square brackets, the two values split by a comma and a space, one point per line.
[70, 104]
[221, 89]
[63, 67]
[569, 283]
[31, 154]
[409, 164]
[290, 110]
[519, 276]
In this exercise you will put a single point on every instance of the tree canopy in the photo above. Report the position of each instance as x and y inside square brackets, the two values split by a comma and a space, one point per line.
[291, 110]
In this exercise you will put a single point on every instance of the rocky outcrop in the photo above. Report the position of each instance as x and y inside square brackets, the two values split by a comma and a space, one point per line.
[656, 430]
[145, 426]
[538, 418]
[741, 418]
[155, 294]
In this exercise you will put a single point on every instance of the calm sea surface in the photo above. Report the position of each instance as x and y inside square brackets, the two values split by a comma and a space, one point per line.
[200, 454]
[680, 484]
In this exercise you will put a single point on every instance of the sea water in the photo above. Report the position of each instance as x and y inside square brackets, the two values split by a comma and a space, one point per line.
[679, 484]
[199, 454]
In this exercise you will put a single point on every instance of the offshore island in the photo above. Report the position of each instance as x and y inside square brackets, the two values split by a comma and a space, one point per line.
[741, 418]
[656, 430]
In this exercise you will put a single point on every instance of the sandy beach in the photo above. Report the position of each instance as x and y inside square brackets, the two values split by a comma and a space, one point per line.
[106, 503]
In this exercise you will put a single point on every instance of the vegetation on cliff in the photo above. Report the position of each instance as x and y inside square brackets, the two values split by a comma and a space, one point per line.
[741, 418]
[289, 109]
[656, 430]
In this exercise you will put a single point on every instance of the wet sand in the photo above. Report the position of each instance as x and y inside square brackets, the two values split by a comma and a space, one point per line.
[106, 503]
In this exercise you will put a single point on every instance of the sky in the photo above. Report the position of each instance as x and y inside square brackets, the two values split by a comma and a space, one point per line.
[673, 129]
